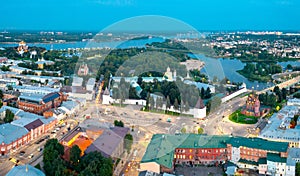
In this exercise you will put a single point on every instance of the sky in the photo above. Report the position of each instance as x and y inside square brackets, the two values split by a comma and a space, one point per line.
[95, 15]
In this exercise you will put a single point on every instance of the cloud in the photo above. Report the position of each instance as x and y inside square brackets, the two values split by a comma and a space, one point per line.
[115, 2]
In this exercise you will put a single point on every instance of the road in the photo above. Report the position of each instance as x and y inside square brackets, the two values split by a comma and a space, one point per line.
[30, 148]
[145, 124]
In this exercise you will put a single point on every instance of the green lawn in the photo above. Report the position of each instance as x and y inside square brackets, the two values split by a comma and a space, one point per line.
[238, 117]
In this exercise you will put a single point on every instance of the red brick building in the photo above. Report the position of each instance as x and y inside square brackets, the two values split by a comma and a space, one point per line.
[12, 137]
[165, 151]
[39, 103]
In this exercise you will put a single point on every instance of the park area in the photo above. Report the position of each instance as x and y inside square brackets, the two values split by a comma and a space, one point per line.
[238, 117]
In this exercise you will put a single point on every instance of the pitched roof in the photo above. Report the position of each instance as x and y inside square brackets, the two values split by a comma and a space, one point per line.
[199, 104]
[40, 97]
[275, 158]
[120, 131]
[106, 143]
[162, 146]
[259, 144]
[10, 133]
[106, 92]
[33, 125]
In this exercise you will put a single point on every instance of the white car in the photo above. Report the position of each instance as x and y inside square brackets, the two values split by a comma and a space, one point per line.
[31, 156]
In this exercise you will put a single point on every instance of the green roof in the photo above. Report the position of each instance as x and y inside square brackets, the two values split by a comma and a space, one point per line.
[162, 146]
[248, 162]
[275, 158]
[259, 144]
[262, 161]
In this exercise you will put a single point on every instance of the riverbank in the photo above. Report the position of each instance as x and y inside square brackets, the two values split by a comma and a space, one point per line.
[255, 77]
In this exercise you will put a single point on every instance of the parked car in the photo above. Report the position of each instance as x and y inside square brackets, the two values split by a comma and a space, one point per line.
[22, 153]
[31, 156]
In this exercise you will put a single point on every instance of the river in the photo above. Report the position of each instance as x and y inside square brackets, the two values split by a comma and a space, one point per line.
[72, 45]
[224, 67]
[213, 67]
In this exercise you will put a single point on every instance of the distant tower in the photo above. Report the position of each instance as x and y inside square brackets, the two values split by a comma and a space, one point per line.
[200, 109]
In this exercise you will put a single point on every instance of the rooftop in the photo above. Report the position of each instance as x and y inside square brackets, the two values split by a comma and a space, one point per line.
[10, 133]
[106, 143]
[39, 97]
[25, 170]
[278, 126]
[162, 146]
[69, 104]
[293, 156]
[275, 158]
[259, 144]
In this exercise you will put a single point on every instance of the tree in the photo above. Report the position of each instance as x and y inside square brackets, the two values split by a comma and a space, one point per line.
[118, 123]
[1, 94]
[9, 116]
[168, 103]
[207, 94]
[53, 164]
[200, 130]
[132, 93]
[284, 93]
[151, 102]
[289, 67]
[276, 90]
[95, 164]
[202, 93]
[176, 104]
[297, 168]
[122, 81]
[214, 103]
[140, 80]
[75, 155]
[147, 101]
[186, 106]
[128, 142]
[159, 103]
[9, 87]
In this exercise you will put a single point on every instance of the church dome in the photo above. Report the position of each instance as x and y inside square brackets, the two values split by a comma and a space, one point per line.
[25, 170]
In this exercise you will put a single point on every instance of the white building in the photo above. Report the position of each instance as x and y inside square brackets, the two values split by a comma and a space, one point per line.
[77, 81]
[90, 84]
[200, 109]
[292, 159]
[278, 127]
[106, 99]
